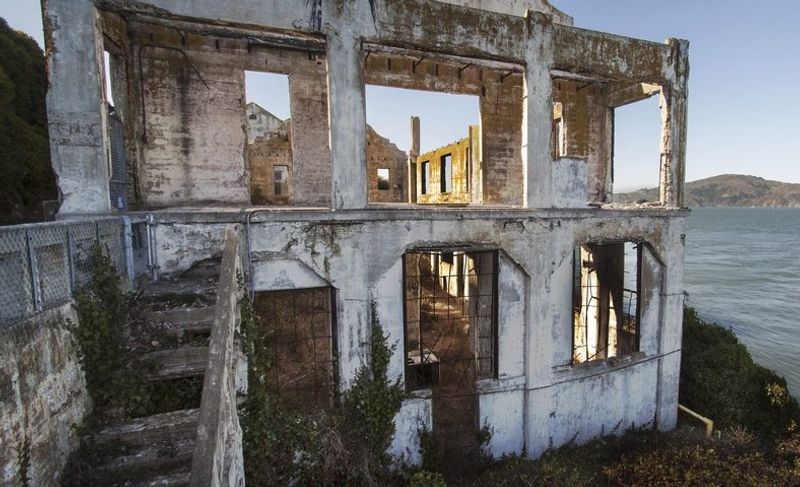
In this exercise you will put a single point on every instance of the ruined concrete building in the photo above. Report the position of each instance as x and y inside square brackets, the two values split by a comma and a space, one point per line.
[517, 295]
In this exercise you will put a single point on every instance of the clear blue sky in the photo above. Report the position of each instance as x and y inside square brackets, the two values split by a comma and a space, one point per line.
[743, 105]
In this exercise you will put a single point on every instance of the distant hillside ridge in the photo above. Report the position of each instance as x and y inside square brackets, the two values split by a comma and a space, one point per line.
[727, 190]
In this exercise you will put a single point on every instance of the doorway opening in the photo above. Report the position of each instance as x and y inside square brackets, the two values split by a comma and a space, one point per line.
[451, 337]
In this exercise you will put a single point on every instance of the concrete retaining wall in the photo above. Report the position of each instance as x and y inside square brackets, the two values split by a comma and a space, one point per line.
[42, 397]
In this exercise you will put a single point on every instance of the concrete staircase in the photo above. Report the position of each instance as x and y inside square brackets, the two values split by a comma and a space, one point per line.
[169, 339]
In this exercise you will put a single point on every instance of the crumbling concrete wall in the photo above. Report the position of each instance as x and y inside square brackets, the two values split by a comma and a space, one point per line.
[383, 154]
[194, 135]
[460, 166]
[261, 123]
[43, 398]
[359, 254]
[266, 152]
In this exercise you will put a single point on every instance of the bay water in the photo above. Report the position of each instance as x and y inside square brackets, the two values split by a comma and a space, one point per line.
[743, 272]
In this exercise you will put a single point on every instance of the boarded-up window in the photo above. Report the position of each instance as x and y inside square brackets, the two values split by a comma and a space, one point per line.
[302, 338]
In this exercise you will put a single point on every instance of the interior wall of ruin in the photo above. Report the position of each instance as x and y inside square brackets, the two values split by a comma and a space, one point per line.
[460, 163]
[382, 153]
[501, 132]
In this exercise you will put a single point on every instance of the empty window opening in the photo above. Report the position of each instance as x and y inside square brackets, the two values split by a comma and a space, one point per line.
[557, 143]
[269, 146]
[281, 178]
[606, 289]
[301, 327]
[433, 134]
[425, 176]
[637, 151]
[451, 334]
[383, 179]
[107, 80]
[446, 179]
[114, 82]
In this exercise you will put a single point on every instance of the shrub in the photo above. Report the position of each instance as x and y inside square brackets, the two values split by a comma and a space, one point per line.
[345, 445]
[720, 380]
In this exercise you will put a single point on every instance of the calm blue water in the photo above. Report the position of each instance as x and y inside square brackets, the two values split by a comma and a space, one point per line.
[743, 272]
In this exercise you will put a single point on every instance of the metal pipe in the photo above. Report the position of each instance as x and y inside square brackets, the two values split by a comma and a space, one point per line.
[706, 421]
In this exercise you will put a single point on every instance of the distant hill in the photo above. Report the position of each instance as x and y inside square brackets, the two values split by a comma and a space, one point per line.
[727, 190]
[25, 175]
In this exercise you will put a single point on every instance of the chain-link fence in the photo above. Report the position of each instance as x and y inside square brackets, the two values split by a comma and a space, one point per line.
[41, 265]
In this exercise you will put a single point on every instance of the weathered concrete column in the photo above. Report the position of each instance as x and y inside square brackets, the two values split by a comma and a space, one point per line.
[413, 154]
[347, 114]
[673, 125]
[310, 154]
[75, 106]
[537, 113]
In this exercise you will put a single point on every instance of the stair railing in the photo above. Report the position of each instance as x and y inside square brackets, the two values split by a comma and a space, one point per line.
[217, 459]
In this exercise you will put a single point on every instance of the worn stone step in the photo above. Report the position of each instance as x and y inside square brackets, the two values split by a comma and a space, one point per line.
[156, 463]
[195, 320]
[170, 427]
[204, 268]
[179, 478]
[179, 289]
[175, 363]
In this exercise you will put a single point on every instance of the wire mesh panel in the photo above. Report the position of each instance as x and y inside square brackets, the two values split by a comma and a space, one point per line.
[51, 260]
[111, 235]
[140, 248]
[301, 327]
[84, 235]
[450, 300]
[16, 299]
[41, 265]
[451, 338]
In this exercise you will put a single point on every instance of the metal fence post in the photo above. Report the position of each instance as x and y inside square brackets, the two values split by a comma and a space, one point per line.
[71, 259]
[127, 249]
[34, 271]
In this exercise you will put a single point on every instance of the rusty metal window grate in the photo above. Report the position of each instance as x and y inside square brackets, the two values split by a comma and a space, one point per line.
[606, 289]
[450, 318]
[303, 341]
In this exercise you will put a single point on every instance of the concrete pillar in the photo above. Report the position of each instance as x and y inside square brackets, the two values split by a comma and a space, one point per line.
[673, 126]
[413, 154]
[76, 109]
[347, 116]
[311, 158]
[537, 113]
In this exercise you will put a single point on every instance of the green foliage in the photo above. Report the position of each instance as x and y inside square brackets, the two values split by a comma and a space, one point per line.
[425, 478]
[113, 378]
[720, 380]
[373, 401]
[24, 460]
[345, 445]
[100, 334]
[25, 174]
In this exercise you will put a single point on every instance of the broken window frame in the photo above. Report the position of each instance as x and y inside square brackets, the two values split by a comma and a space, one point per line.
[578, 306]
[494, 362]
